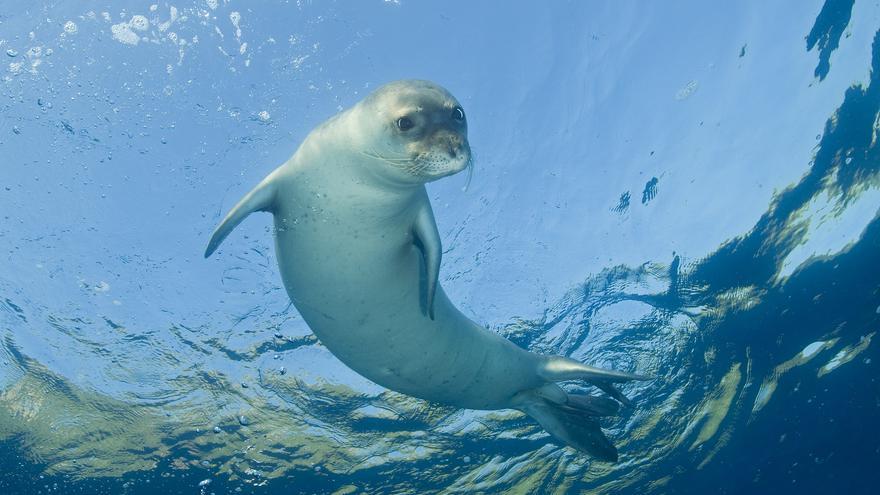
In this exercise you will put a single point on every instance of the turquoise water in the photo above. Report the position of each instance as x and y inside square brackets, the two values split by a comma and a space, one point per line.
[688, 190]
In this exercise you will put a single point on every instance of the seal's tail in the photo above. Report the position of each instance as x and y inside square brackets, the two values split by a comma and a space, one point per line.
[573, 422]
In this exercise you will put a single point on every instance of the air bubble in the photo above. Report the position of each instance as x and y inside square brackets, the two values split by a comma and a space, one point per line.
[123, 34]
[70, 27]
[139, 22]
[689, 89]
[235, 17]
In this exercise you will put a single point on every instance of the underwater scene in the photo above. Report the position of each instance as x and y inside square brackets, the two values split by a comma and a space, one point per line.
[659, 225]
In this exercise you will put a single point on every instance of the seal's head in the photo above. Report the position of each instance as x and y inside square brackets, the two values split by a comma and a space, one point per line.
[417, 132]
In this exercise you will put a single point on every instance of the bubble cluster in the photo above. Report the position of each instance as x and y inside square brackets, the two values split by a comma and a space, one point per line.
[235, 18]
[685, 92]
[122, 33]
[139, 22]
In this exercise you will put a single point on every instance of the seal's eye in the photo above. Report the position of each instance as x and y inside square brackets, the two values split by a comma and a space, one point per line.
[458, 114]
[405, 123]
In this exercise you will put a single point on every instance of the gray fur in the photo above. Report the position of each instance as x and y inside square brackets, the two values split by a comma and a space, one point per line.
[359, 254]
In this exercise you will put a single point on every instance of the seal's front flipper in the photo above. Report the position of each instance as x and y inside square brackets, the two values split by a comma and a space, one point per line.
[261, 198]
[558, 369]
[428, 241]
[572, 423]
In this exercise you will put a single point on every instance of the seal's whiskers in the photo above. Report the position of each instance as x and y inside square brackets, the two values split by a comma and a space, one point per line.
[401, 163]
[470, 174]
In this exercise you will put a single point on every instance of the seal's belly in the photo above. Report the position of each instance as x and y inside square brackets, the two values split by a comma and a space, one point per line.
[360, 293]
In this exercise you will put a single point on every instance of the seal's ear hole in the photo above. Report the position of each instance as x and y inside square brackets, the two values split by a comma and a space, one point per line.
[405, 123]
[458, 114]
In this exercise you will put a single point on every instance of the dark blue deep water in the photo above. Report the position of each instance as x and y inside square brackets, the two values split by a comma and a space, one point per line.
[687, 189]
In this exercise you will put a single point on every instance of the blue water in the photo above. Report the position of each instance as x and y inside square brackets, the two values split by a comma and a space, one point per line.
[688, 189]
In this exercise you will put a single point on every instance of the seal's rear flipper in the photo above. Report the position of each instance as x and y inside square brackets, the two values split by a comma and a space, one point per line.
[612, 391]
[558, 369]
[261, 198]
[572, 423]
[592, 405]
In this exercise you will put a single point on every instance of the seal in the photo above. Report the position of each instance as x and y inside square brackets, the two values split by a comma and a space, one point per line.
[359, 254]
